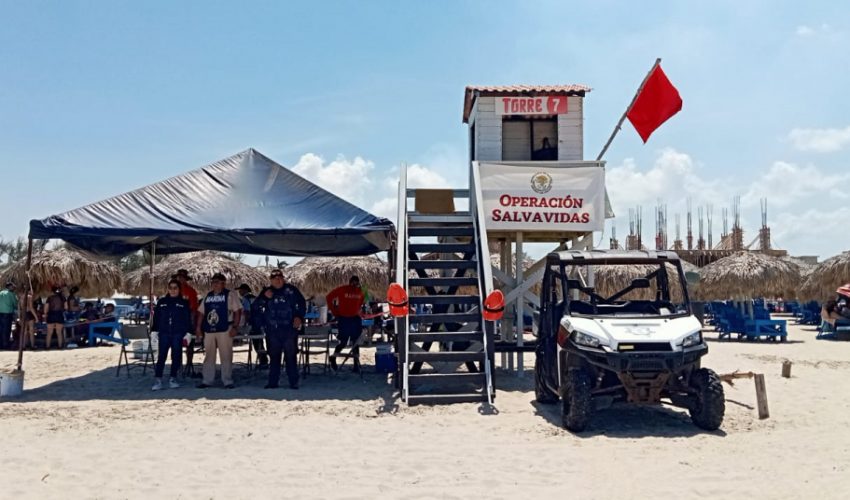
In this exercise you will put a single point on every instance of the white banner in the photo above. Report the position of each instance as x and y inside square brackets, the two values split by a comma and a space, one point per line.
[543, 198]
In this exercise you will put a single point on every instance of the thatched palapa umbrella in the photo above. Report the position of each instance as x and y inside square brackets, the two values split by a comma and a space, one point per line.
[201, 267]
[826, 277]
[611, 279]
[317, 276]
[64, 266]
[747, 275]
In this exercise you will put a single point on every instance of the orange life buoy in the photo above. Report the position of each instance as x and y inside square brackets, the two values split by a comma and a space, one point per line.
[397, 299]
[494, 306]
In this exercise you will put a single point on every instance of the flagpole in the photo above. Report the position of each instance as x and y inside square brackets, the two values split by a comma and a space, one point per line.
[623, 118]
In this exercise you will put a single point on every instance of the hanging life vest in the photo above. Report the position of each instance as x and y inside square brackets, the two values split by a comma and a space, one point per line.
[397, 299]
[494, 306]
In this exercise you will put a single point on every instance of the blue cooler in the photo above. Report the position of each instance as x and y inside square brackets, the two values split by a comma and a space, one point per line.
[385, 360]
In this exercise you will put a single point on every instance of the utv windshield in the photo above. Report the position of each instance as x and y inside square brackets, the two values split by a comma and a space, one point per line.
[637, 290]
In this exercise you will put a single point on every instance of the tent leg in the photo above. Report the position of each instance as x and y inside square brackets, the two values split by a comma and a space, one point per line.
[150, 290]
[24, 307]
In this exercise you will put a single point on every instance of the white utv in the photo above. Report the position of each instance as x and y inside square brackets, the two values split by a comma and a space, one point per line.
[631, 339]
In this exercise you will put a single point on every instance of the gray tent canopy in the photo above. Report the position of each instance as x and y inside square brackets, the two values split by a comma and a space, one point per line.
[246, 203]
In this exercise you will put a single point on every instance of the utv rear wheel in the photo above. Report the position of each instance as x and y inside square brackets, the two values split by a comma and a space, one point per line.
[709, 403]
[576, 404]
[541, 390]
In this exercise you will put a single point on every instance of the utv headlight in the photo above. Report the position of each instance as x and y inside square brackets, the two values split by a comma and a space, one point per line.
[692, 339]
[586, 340]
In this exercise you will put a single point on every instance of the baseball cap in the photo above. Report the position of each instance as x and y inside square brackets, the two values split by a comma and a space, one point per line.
[275, 273]
[844, 290]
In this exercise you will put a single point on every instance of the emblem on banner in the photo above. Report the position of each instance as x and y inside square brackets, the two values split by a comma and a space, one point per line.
[541, 182]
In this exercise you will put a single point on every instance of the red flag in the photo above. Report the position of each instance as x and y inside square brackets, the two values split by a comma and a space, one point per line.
[656, 103]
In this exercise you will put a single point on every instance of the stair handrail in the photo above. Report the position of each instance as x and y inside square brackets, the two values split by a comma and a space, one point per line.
[401, 272]
[485, 274]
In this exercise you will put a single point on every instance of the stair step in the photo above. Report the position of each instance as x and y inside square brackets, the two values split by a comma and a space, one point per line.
[455, 218]
[455, 356]
[441, 247]
[447, 378]
[442, 264]
[445, 318]
[464, 281]
[444, 299]
[440, 231]
[441, 399]
[445, 336]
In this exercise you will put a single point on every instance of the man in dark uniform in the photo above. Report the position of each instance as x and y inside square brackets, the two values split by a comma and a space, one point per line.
[281, 309]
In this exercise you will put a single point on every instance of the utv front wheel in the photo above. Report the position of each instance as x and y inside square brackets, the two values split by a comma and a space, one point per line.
[709, 403]
[576, 403]
[541, 391]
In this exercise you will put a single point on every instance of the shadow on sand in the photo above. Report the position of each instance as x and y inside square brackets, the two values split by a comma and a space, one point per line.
[630, 421]
[105, 385]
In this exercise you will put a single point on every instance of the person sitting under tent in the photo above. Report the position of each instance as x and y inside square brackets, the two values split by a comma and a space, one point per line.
[81, 331]
[345, 303]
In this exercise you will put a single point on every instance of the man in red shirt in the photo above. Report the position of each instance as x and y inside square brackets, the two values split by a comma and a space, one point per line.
[191, 295]
[344, 303]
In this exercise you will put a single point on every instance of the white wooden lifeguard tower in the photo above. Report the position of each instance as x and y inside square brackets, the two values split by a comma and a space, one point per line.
[528, 182]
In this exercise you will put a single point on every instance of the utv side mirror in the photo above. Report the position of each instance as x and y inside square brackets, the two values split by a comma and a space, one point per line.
[640, 283]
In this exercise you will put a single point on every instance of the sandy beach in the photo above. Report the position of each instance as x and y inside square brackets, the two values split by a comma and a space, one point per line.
[80, 432]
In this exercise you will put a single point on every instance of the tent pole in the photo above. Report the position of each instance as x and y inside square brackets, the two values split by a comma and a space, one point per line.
[150, 290]
[24, 307]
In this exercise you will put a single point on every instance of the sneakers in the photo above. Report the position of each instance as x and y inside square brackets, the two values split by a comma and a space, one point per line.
[157, 385]
[230, 386]
[202, 386]
[172, 383]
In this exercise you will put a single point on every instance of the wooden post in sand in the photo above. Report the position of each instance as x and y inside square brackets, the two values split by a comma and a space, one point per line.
[761, 396]
[786, 369]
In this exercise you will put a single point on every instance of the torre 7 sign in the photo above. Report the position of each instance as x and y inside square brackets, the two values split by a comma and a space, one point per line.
[543, 198]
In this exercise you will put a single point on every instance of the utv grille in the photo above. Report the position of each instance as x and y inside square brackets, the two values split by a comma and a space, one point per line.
[645, 347]
[647, 365]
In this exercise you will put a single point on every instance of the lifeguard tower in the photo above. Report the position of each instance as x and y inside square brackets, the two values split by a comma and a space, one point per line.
[528, 182]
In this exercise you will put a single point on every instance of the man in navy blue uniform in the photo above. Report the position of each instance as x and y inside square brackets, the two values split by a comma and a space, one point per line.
[280, 308]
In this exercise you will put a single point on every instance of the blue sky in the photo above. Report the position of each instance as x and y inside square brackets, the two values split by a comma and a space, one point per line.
[97, 98]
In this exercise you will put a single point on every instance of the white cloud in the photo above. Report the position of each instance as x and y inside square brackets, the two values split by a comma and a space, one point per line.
[804, 211]
[673, 178]
[354, 181]
[786, 184]
[348, 179]
[824, 140]
[804, 30]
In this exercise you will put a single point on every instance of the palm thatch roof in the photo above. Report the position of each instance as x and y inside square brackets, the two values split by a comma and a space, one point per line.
[826, 277]
[317, 276]
[611, 279]
[747, 275]
[201, 267]
[64, 266]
